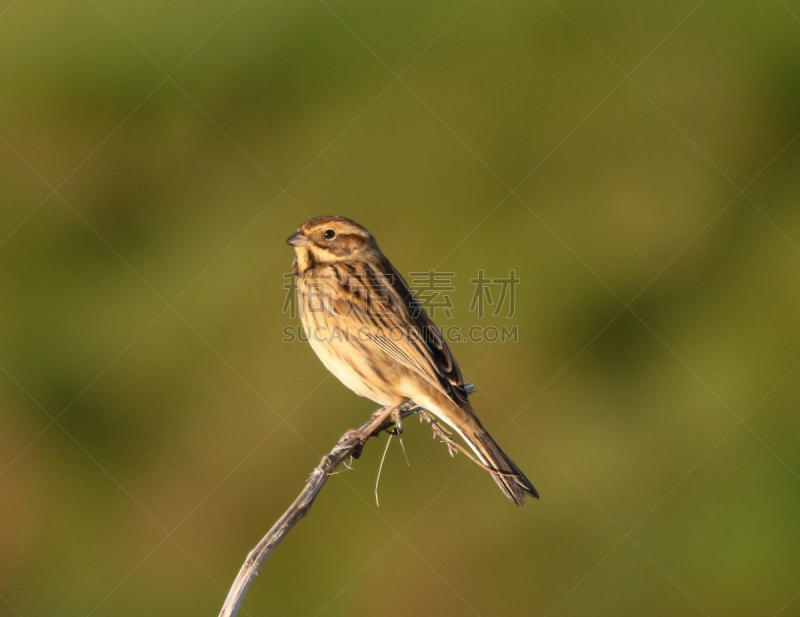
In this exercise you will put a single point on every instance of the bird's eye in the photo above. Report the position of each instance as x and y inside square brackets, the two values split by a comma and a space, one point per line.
[329, 234]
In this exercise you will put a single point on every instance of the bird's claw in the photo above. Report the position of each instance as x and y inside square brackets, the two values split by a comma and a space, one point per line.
[397, 427]
[361, 440]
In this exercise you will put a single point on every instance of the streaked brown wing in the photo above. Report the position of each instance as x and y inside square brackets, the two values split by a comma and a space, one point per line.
[421, 348]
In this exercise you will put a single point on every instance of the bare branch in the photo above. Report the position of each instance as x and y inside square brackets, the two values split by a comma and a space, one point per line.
[349, 445]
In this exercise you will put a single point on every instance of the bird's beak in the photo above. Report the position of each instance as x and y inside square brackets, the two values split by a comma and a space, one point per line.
[298, 239]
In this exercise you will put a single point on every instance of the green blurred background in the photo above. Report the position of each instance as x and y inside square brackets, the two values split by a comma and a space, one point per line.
[155, 155]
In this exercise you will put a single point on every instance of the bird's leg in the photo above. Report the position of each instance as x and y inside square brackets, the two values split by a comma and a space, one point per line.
[361, 436]
[397, 419]
[372, 427]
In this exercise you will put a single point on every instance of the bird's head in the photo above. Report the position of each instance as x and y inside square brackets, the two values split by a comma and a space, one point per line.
[326, 239]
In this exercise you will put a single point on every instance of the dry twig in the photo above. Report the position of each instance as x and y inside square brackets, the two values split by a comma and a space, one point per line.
[349, 445]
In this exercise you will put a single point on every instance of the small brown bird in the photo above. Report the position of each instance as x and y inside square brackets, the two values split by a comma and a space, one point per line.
[370, 331]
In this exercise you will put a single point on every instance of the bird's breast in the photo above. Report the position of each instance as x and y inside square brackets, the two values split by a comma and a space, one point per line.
[339, 341]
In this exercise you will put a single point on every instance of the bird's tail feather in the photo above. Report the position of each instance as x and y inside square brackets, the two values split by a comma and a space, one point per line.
[507, 475]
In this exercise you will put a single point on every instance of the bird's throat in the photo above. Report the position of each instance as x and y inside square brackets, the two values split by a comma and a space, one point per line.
[303, 260]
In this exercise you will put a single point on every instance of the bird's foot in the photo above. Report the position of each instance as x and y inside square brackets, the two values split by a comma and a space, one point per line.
[397, 419]
[379, 418]
[361, 439]
[383, 414]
